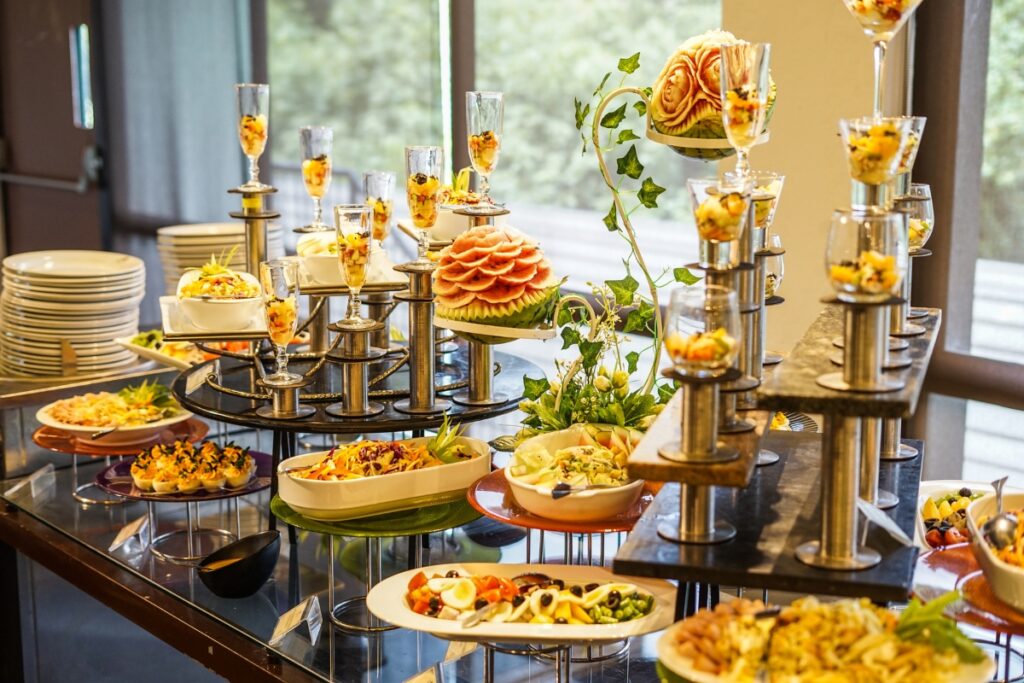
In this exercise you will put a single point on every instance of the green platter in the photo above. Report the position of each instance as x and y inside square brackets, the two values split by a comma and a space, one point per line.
[424, 520]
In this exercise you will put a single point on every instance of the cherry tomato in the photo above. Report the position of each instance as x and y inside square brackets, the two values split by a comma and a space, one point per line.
[934, 538]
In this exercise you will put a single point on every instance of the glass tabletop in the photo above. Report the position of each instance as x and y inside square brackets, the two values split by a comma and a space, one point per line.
[301, 571]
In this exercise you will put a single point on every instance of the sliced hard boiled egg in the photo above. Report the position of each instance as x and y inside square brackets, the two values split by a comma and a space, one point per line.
[460, 594]
[501, 612]
[440, 584]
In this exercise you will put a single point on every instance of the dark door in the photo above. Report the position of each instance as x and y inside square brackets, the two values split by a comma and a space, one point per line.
[41, 157]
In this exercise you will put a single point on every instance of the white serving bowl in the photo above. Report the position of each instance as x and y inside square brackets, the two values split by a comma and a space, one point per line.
[586, 506]
[1006, 580]
[224, 315]
[355, 498]
[124, 436]
[324, 268]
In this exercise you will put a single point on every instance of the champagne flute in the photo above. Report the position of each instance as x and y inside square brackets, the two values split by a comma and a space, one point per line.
[485, 112]
[423, 168]
[253, 127]
[354, 223]
[881, 20]
[280, 281]
[379, 189]
[315, 143]
[745, 85]
[774, 267]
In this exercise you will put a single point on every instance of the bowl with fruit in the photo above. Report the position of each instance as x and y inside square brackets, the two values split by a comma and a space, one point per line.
[319, 254]
[215, 297]
[942, 511]
[1003, 567]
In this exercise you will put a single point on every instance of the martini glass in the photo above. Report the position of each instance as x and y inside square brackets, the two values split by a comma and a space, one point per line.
[422, 190]
[315, 143]
[485, 113]
[253, 128]
[881, 20]
[744, 88]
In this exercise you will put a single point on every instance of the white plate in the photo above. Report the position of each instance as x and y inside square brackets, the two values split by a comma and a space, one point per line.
[80, 307]
[206, 251]
[176, 323]
[368, 496]
[935, 486]
[73, 263]
[201, 230]
[50, 353]
[25, 335]
[21, 293]
[125, 435]
[51, 324]
[668, 655]
[58, 368]
[52, 285]
[152, 354]
[387, 602]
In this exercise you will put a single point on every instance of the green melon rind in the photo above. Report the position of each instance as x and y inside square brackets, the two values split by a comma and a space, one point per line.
[710, 127]
[530, 316]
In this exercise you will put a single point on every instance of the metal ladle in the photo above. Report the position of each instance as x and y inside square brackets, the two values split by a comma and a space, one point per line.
[1001, 530]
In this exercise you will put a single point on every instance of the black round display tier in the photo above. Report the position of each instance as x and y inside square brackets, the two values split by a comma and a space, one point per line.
[237, 375]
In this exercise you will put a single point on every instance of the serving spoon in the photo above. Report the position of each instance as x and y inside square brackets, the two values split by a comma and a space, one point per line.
[102, 433]
[563, 490]
[1001, 530]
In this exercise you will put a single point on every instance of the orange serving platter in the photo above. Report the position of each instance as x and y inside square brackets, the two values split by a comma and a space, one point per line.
[59, 441]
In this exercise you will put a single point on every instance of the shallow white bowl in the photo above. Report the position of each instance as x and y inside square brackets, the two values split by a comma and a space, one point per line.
[1006, 580]
[219, 314]
[355, 498]
[324, 268]
[586, 506]
[123, 436]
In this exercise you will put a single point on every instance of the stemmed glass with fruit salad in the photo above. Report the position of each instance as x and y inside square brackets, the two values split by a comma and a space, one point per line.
[253, 128]
[379, 190]
[354, 225]
[315, 143]
[423, 168]
[485, 113]
[745, 85]
[280, 281]
[703, 330]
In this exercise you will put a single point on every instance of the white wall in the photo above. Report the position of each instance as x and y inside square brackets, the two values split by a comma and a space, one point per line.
[822, 64]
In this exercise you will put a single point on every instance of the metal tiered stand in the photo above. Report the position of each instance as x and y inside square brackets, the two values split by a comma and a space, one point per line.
[355, 383]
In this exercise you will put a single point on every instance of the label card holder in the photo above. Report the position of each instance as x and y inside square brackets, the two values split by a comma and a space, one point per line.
[131, 530]
[306, 612]
[884, 521]
[36, 484]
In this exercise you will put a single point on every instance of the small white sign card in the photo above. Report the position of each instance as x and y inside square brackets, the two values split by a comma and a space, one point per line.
[880, 519]
[306, 612]
[133, 529]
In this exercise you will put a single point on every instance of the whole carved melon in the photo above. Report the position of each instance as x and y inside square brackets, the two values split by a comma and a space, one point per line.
[686, 100]
[495, 276]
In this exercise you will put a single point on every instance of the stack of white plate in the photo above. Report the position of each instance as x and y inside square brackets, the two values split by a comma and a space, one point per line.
[88, 298]
[190, 246]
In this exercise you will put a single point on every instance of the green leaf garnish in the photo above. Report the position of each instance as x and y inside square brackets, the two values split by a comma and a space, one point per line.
[613, 118]
[535, 388]
[927, 623]
[624, 289]
[630, 64]
[685, 276]
[629, 164]
[648, 193]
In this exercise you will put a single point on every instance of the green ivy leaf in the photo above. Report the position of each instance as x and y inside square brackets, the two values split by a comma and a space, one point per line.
[648, 194]
[590, 352]
[685, 276]
[629, 164]
[603, 81]
[570, 336]
[641, 108]
[632, 360]
[640, 319]
[666, 391]
[626, 136]
[648, 91]
[534, 388]
[624, 289]
[630, 64]
[613, 118]
[581, 112]
[611, 220]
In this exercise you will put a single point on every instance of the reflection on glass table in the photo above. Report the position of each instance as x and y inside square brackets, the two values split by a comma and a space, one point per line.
[302, 571]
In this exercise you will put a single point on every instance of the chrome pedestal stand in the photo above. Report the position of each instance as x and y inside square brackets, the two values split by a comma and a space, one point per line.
[420, 297]
[285, 403]
[481, 378]
[356, 353]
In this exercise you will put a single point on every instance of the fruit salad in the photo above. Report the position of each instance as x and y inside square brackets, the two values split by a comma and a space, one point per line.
[716, 349]
[422, 193]
[381, 216]
[575, 467]
[182, 468]
[720, 217]
[765, 198]
[217, 281]
[909, 153]
[741, 111]
[483, 151]
[873, 156]
[873, 273]
[945, 517]
[527, 599]
[883, 15]
[920, 231]
[354, 251]
[252, 133]
[316, 174]
[771, 283]
[458, 193]
[282, 319]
